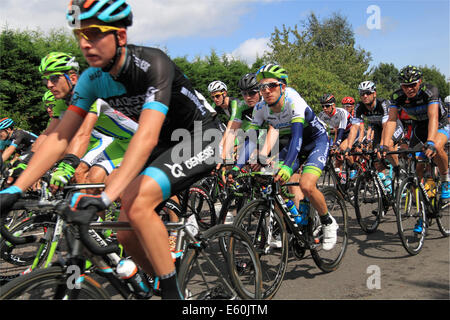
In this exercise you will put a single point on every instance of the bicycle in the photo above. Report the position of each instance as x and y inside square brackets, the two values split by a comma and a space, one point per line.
[418, 204]
[84, 243]
[372, 198]
[267, 219]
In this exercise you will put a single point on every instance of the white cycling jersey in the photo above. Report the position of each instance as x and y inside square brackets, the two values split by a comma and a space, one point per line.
[339, 120]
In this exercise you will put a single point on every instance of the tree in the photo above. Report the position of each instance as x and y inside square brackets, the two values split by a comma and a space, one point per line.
[21, 89]
[321, 56]
[385, 76]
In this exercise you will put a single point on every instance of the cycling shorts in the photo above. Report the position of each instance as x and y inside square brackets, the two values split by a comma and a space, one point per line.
[177, 166]
[97, 144]
[420, 133]
[313, 156]
[111, 158]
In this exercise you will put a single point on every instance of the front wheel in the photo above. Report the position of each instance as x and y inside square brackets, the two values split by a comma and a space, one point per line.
[208, 273]
[49, 284]
[411, 222]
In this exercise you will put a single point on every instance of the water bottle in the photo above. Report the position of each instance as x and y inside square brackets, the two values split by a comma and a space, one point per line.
[303, 209]
[430, 187]
[293, 209]
[127, 270]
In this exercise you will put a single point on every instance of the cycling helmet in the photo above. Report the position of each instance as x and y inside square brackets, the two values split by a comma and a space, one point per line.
[327, 98]
[58, 62]
[447, 100]
[6, 123]
[410, 74]
[217, 86]
[109, 11]
[48, 97]
[348, 100]
[248, 82]
[272, 71]
[367, 86]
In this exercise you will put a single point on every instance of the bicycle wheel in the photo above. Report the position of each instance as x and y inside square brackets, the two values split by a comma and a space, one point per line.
[44, 284]
[410, 211]
[328, 261]
[202, 206]
[17, 258]
[267, 230]
[443, 218]
[368, 203]
[206, 273]
[326, 179]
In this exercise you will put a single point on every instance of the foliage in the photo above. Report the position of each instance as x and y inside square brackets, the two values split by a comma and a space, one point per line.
[21, 89]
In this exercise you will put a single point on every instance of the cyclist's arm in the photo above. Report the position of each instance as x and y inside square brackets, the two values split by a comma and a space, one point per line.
[433, 121]
[51, 150]
[271, 139]
[80, 141]
[295, 143]
[389, 126]
[228, 138]
[8, 152]
[139, 150]
[50, 128]
[353, 132]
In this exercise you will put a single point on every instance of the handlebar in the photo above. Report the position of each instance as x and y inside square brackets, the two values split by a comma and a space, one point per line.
[81, 218]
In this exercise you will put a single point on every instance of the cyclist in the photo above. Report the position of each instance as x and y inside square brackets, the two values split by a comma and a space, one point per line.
[223, 104]
[339, 120]
[374, 111]
[429, 120]
[241, 113]
[285, 110]
[144, 84]
[447, 106]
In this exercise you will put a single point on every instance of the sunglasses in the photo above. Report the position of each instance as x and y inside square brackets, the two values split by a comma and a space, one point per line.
[93, 32]
[409, 85]
[365, 93]
[269, 85]
[249, 93]
[216, 96]
[53, 78]
[324, 106]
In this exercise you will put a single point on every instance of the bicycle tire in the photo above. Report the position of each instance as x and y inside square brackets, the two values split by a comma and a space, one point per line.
[16, 258]
[206, 274]
[41, 284]
[409, 210]
[329, 261]
[202, 207]
[443, 218]
[367, 193]
[254, 219]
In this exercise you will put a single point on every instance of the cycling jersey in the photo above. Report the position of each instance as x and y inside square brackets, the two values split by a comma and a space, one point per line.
[235, 108]
[340, 120]
[111, 122]
[242, 113]
[417, 107]
[21, 139]
[407, 122]
[376, 118]
[148, 79]
[59, 109]
[296, 111]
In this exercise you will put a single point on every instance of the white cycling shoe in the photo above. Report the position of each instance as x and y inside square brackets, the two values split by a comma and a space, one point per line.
[329, 235]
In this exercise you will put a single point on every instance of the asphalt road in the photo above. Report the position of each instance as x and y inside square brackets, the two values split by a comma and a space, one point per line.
[375, 266]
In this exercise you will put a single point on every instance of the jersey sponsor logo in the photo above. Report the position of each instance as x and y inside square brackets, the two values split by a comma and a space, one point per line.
[95, 75]
[141, 64]
[176, 170]
[199, 158]
[194, 99]
[150, 95]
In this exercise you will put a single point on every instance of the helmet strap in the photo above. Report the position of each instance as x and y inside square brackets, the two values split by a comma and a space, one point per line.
[281, 94]
[116, 57]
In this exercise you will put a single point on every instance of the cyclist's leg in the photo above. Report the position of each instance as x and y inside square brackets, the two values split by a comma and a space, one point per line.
[441, 160]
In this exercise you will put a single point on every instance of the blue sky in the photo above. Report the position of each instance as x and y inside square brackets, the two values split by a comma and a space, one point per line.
[411, 32]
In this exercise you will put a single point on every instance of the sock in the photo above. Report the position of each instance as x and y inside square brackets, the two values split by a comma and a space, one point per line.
[169, 286]
[444, 177]
[326, 219]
